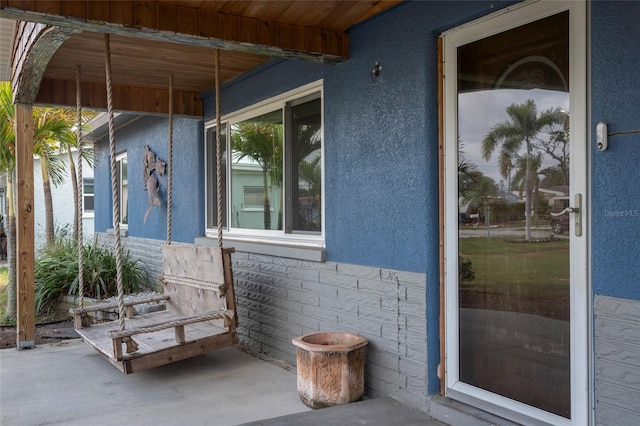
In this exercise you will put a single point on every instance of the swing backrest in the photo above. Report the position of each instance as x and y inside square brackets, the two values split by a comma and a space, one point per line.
[198, 279]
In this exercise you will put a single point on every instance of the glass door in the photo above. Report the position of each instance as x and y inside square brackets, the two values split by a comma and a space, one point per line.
[510, 174]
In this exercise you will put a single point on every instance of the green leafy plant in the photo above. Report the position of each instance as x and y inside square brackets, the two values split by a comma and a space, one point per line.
[56, 273]
[465, 270]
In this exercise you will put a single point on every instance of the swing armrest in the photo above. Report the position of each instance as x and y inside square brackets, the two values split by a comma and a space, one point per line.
[78, 313]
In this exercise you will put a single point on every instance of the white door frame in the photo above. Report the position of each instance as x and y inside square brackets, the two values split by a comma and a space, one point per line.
[498, 22]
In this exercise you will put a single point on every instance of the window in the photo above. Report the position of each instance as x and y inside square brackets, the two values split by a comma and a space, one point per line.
[123, 187]
[253, 198]
[87, 195]
[273, 184]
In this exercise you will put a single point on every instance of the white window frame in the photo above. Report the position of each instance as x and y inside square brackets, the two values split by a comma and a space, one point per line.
[280, 237]
[119, 158]
[495, 23]
[87, 213]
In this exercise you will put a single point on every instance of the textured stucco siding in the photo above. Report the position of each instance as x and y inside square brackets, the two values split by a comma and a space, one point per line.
[615, 90]
[617, 361]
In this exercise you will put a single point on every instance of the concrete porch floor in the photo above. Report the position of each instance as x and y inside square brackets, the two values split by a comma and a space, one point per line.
[70, 383]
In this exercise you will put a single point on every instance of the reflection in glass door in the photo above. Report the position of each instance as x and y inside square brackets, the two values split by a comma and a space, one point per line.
[513, 109]
[513, 280]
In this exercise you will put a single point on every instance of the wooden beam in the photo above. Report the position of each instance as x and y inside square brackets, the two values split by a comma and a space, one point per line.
[26, 321]
[189, 25]
[443, 338]
[125, 98]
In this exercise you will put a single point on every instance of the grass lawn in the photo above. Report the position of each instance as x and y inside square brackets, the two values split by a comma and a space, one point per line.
[510, 266]
[3, 292]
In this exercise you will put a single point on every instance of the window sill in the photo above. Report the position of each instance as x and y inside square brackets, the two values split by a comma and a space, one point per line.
[124, 232]
[293, 250]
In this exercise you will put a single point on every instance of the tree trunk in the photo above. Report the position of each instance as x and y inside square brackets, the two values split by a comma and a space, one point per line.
[74, 186]
[267, 203]
[528, 200]
[10, 225]
[48, 201]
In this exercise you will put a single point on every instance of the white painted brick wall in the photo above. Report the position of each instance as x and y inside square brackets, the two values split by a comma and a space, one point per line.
[279, 299]
[617, 363]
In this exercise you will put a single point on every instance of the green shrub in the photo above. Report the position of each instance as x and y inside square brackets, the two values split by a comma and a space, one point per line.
[56, 273]
[465, 270]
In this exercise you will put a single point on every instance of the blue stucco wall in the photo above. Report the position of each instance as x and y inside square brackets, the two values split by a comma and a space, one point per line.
[381, 148]
[188, 184]
[381, 141]
[615, 95]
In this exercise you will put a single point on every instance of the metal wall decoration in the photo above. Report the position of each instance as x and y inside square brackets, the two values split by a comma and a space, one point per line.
[151, 168]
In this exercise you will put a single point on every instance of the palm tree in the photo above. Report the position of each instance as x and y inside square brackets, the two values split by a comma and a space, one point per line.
[7, 164]
[69, 142]
[523, 128]
[263, 143]
[556, 146]
[50, 126]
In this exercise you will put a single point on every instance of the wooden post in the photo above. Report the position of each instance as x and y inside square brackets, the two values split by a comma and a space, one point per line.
[179, 332]
[25, 255]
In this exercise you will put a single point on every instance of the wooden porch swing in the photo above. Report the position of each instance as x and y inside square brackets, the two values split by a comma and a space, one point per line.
[198, 281]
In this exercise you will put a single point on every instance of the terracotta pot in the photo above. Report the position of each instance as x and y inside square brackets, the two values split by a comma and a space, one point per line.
[330, 368]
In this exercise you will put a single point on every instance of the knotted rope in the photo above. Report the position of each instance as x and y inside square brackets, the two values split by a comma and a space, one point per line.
[218, 146]
[170, 161]
[80, 186]
[131, 345]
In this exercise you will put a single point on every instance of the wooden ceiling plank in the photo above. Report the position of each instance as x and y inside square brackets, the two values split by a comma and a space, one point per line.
[22, 5]
[228, 27]
[53, 7]
[207, 24]
[275, 9]
[74, 8]
[334, 43]
[123, 96]
[144, 14]
[339, 15]
[266, 33]
[256, 8]
[99, 10]
[284, 36]
[162, 100]
[317, 40]
[167, 16]
[187, 19]
[378, 7]
[97, 96]
[232, 7]
[302, 38]
[248, 30]
[137, 99]
[122, 12]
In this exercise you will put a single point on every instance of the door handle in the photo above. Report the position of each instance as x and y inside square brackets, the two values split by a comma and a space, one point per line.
[578, 214]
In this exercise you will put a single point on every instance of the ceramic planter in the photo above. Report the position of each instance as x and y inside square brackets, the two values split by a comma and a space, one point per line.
[330, 368]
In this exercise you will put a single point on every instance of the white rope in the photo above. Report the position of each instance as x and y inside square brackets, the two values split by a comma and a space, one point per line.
[114, 182]
[79, 185]
[218, 147]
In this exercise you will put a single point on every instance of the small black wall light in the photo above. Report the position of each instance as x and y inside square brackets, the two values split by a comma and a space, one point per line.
[375, 71]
